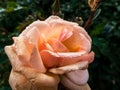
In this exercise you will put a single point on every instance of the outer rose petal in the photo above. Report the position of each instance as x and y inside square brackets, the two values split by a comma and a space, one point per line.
[33, 81]
[55, 19]
[26, 47]
[42, 26]
[16, 64]
[39, 79]
[66, 82]
[23, 49]
[78, 77]
[85, 43]
[35, 60]
[83, 31]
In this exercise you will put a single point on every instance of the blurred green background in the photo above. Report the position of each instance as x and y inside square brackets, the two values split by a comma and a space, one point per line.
[15, 15]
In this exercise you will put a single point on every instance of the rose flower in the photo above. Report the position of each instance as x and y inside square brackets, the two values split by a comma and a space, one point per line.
[46, 49]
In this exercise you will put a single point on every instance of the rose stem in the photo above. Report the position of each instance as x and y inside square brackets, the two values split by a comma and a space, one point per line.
[93, 10]
[89, 21]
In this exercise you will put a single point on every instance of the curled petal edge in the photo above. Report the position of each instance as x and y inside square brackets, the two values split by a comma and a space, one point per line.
[52, 59]
[65, 69]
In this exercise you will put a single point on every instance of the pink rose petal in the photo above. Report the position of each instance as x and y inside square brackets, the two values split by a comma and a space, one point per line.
[57, 46]
[78, 76]
[52, 59]
[65, 35]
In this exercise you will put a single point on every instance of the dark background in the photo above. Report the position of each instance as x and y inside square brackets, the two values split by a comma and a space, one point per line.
[15, 15]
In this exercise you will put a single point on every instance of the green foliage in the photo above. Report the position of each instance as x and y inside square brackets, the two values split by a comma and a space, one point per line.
[15, 15]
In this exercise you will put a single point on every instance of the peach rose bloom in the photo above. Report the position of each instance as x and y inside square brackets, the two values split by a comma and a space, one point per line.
[53, 45]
